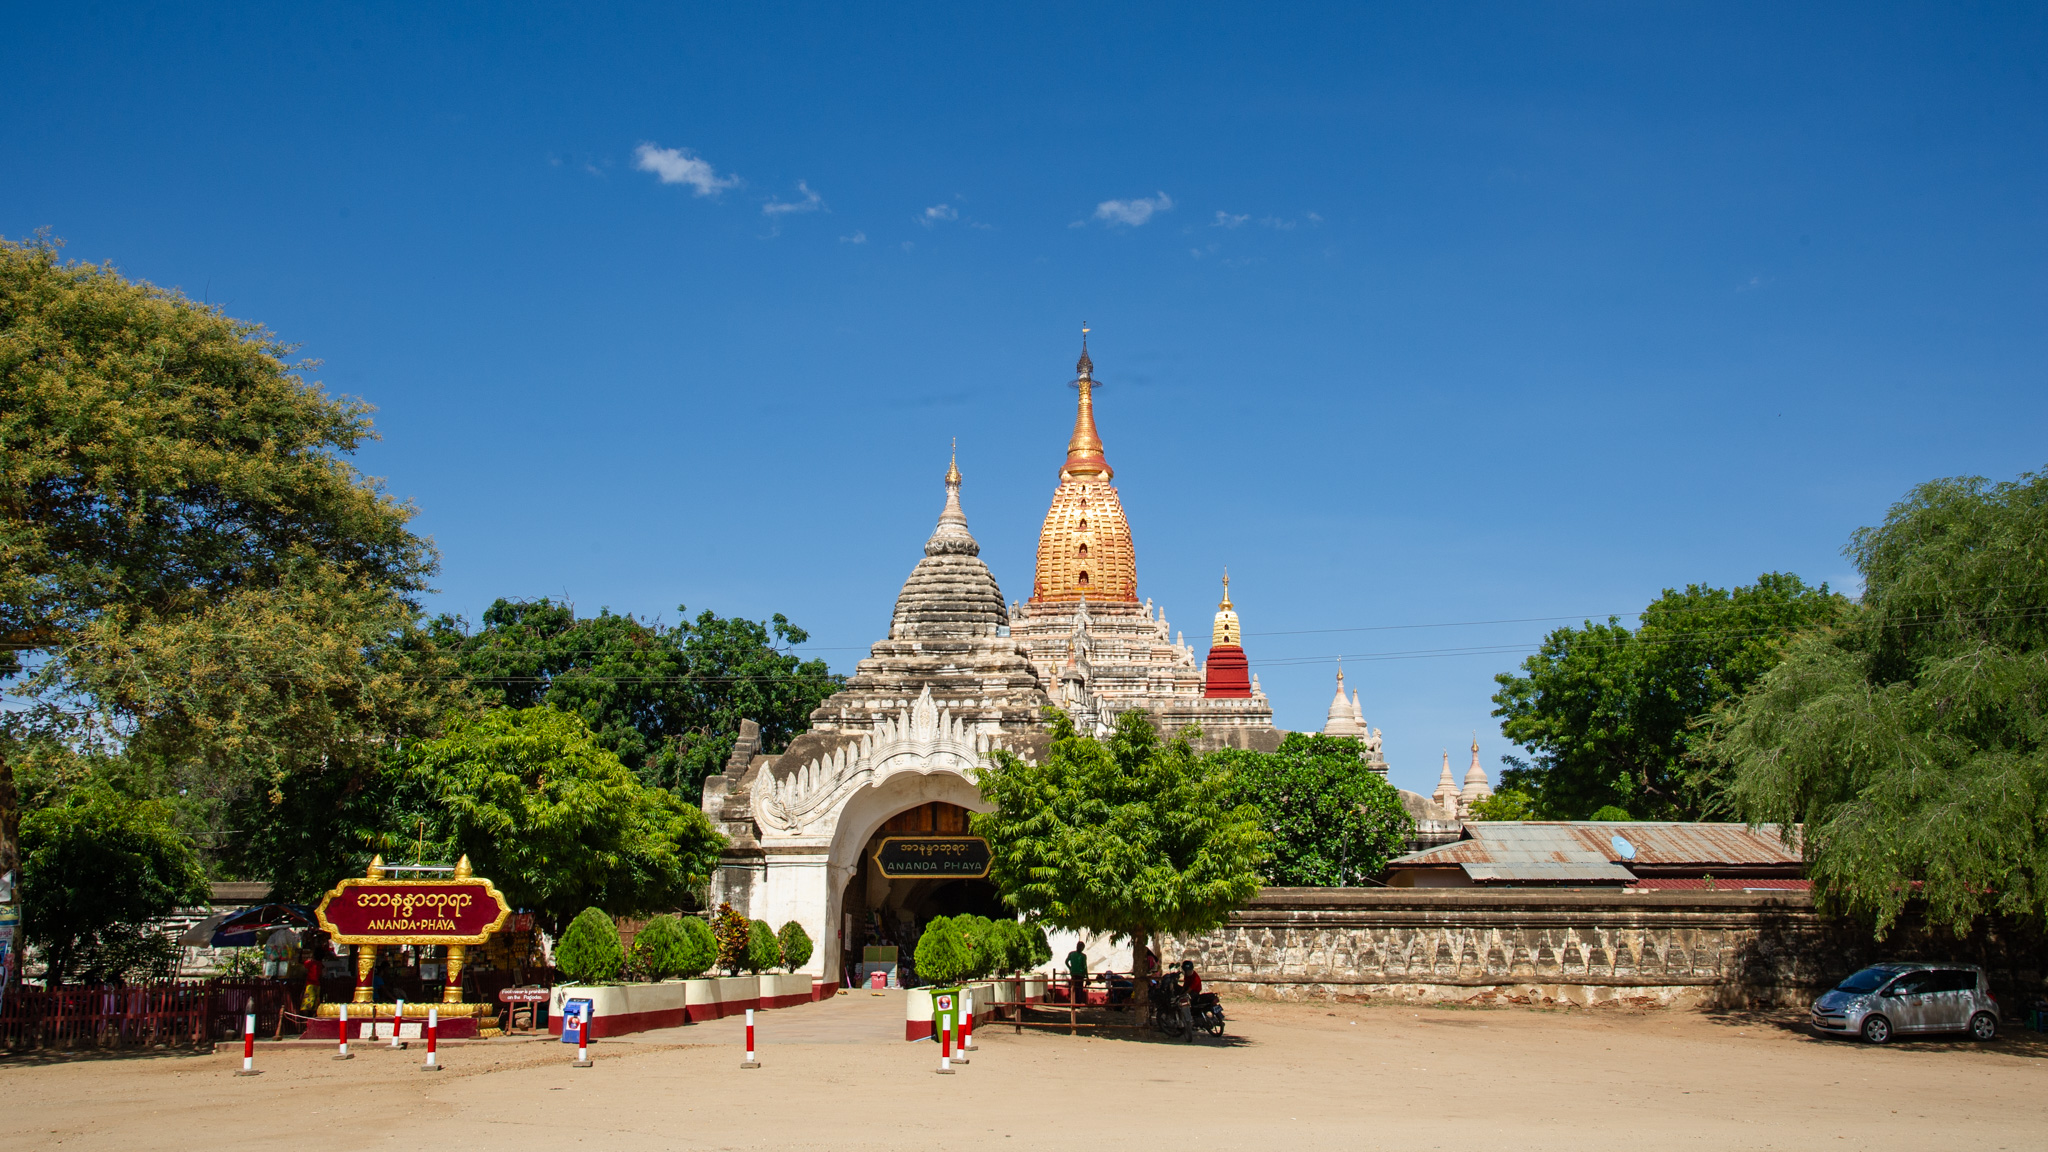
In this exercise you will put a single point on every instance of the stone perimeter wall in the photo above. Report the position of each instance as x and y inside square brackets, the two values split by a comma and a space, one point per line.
[1705, 949]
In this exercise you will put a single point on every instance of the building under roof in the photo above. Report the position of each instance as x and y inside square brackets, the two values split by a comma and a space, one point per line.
[1639, 854]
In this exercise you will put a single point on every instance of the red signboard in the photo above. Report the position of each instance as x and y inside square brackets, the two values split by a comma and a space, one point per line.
[383, 911]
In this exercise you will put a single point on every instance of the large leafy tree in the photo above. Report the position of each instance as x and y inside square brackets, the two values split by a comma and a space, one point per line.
[185, 552]
[1132, 835]
[1912, 742]
[1611, 715]
[667, 699]
[97, 866]
[550, 815]
[1330, 820]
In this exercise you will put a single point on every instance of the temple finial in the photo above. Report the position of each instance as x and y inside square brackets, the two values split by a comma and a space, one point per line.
[1084, 366]
[953, 465]
[1226, 589]
[1084, 448]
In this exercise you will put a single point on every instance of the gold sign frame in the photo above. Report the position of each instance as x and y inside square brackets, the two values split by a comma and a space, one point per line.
[357, 882]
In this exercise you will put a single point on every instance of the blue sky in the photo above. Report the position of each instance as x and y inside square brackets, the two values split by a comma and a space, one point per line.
[1410, 314]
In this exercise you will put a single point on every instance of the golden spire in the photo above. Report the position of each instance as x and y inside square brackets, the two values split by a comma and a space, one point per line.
[1226, 590]
[1226, 630]
[953, 466]
[1084, 449]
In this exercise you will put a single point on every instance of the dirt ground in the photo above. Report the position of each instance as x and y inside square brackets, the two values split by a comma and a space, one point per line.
[839, 1076]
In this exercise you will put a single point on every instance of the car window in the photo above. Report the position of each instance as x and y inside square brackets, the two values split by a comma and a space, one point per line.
[1911, 984]
[1954, 980]
[1868, 980]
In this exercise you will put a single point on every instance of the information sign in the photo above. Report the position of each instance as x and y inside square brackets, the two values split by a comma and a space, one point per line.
[921, 857]
[380, 911]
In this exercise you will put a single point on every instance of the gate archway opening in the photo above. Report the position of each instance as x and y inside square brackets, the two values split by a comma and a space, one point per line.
[893, 911]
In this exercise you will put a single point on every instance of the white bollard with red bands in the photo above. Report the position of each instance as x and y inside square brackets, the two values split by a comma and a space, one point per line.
[433, 1027]
[344, 1054]
[249, 1046]
[583, 1041]
[750, 1062]
[966, 1023]
[397, 1023]
[946, 1050]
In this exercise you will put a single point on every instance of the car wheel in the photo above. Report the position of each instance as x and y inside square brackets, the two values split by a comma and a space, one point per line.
[1983, 1026]
[1877, 1029]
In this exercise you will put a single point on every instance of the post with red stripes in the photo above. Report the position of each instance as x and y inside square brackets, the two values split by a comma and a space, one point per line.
[946, 1048]
[966, 1023]
[433, 1028]
[750, 1062]
[583, 1039]
[397, 1023]
[249, 1045]
[344, 1054]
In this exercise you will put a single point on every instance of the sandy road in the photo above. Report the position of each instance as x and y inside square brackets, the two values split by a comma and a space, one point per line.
[838, 1076]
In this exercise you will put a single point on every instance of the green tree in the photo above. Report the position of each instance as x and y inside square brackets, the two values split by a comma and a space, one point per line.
[1330, 822]
[795, 944]
[96, 868]
[589, 951]
[1506, 804]
[552, 817]
[942, 958]
[1912, 741]
[764, 951]
[1133, 835]
[700, 948]
[667, 700]
[185, 549]
[1612, 716]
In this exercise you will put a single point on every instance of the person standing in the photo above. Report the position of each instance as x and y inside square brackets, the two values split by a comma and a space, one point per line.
[1077, 973]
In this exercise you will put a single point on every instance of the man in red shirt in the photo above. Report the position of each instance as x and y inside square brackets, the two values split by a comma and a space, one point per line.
[1189, 978]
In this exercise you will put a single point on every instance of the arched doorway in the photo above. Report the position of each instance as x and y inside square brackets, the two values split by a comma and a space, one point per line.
[891, 911]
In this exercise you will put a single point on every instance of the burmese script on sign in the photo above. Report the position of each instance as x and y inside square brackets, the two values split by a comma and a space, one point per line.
[364, 911]
[959, 857]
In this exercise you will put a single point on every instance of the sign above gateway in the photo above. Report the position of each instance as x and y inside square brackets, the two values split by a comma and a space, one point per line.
[933, 857]
[464, 910]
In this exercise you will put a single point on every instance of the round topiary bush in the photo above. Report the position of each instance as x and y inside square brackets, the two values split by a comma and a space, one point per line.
[764, 951]
[796, 945]
[589, 951]
[940, 957]
[662, 949]
[700, 948]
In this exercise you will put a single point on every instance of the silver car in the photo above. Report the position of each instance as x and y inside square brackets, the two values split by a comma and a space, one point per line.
[1889, 1000]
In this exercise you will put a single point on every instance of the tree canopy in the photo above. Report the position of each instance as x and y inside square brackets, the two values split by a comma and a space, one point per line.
[553, 817]
[1611, 715]
[1331, 822]
[96, 868]
[1132, 835]
[668, 700]
[1912, 740]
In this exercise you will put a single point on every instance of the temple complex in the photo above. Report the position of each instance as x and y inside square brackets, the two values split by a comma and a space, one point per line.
[835, 832]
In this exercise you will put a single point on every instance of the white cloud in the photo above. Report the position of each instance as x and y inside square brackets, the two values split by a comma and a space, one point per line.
[810, 203]
[940, 214]
[858, 237]
[681, 166]
[1277, 222]
[1132, 212]
[1226, 220]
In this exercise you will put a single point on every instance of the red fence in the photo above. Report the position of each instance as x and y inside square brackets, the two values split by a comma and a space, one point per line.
[171, 1012]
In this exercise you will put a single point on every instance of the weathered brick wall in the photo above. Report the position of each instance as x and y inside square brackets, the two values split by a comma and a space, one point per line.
[1533, 945]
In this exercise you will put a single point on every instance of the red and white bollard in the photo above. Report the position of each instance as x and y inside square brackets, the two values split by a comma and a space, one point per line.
[946, 1050]
[249, 1046]
[966, 1024]
[750, 1062]
[433, 1028]
[582, 1043]
[344, 1053]
[397, 1024]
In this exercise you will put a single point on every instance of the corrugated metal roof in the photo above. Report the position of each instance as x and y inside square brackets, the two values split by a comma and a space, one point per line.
[1657, 844]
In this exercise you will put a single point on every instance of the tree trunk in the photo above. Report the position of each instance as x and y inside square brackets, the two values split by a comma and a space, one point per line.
[1141, 995]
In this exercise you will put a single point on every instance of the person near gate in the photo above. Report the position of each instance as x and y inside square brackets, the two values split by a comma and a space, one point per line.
[1077, 973]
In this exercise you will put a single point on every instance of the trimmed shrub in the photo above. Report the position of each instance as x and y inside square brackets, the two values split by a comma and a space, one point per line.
[589, 951]
[700, 949]
[796, 945]
[764, 951]
[940, 957]
[662, 949]
[729, 929]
